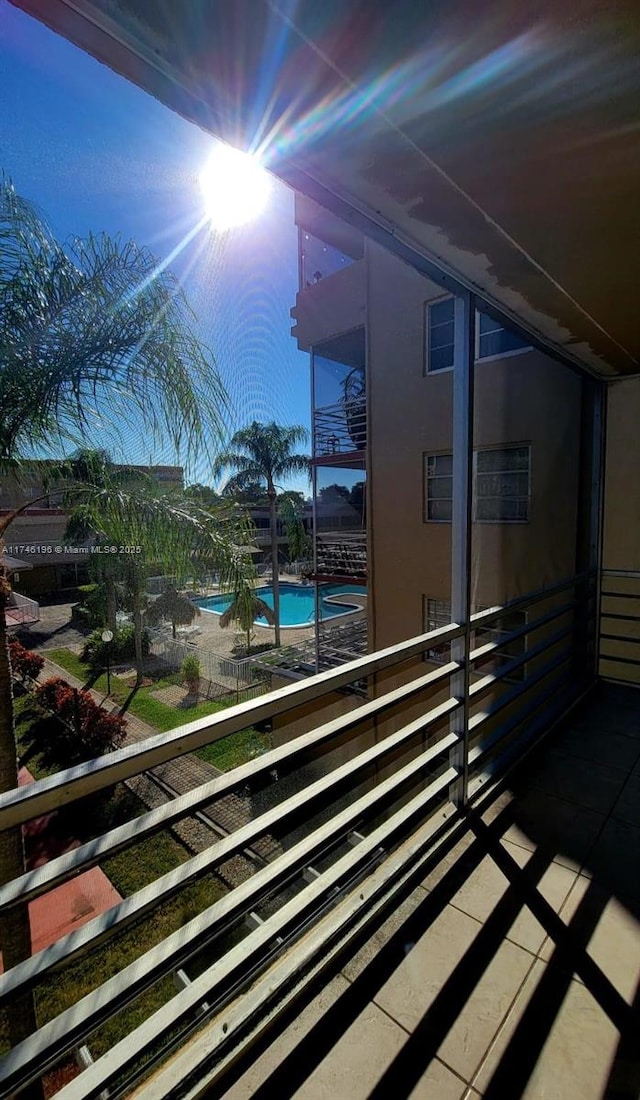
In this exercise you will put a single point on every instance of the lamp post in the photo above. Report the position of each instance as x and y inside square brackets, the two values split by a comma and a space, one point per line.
[107, 638]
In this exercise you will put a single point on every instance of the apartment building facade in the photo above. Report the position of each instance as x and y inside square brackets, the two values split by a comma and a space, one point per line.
[381, 340]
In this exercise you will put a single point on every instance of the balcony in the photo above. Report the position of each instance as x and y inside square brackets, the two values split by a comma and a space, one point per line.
[335, 304]
[343, 555]
[503, 911]
[21, 611]
[340, 430]
[508, 964]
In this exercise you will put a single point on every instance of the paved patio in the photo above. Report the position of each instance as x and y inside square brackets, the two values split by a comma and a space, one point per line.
[71, 905]
[511, 970]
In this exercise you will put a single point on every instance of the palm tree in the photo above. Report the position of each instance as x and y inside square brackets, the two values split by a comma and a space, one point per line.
[97, 318]
[264, 453]
[245, 608]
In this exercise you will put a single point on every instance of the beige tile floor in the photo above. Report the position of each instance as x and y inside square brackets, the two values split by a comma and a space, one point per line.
[513, 969]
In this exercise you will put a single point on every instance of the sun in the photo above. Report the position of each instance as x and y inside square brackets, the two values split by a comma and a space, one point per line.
[235, 187]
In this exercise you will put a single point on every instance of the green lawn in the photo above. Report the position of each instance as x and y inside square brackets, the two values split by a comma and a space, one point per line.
[225, 754]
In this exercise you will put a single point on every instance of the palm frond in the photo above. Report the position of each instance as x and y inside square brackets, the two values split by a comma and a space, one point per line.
[98, 318]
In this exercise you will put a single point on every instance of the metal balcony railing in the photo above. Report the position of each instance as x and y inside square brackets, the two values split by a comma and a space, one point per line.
[341, 428]
[349, 825]
[21, 611]
[620, 625]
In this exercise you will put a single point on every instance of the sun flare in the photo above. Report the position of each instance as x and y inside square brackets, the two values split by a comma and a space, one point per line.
[234, 186]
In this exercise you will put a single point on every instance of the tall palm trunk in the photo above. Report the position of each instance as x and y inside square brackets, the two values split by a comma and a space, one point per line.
[112, 604]
[15, 931]
[137, 595]
[275, 573]
[137, 640]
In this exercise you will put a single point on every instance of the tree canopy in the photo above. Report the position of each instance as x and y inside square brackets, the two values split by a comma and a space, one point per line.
[98, 316]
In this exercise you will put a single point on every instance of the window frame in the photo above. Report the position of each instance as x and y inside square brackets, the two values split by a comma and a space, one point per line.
[442, 653]
[500, 354]
[427, 335]
[478, 358]
[426, 455]
[507, 447]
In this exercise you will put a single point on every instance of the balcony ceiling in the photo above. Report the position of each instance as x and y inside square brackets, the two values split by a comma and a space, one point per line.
[501, 138]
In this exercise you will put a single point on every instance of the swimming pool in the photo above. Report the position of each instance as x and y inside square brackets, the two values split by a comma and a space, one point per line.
[297, 602]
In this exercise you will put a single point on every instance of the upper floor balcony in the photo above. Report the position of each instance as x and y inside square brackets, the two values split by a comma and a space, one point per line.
[340, 430]
[331, 305]
[21, 611]
[342, 554]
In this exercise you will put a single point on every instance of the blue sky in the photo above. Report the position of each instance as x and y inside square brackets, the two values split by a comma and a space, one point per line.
[96, 153]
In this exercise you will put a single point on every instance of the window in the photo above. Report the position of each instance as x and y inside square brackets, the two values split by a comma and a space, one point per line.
[437, 613]
[493, 339]
[440, 328]
[438, 479]
[502, 485]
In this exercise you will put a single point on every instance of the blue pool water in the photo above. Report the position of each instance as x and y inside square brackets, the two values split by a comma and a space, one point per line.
[297, 603]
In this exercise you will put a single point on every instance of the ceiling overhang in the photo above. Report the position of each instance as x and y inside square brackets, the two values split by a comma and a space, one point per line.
[501, 140]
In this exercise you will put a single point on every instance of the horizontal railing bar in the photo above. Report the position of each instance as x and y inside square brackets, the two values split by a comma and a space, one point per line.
[339, 407]
[512, 696]
[492, 678]
[563, 700]
[31, 971]
[621, 618]
[632, 574]
[528, 628]
[619, 638]
[31, 1057]
[619, 660]
[48, 794]
[482, 618]
[621, 595]
[222, 974]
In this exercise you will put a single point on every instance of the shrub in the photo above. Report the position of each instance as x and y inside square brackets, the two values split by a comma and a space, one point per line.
[122, 648]
[87, 729]
[81, 614]
[93, 604]
[24, 663]
[56, 694]
[102, 731]
[190, 670]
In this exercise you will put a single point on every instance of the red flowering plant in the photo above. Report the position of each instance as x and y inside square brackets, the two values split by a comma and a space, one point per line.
[24, 663]
[93, 730]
